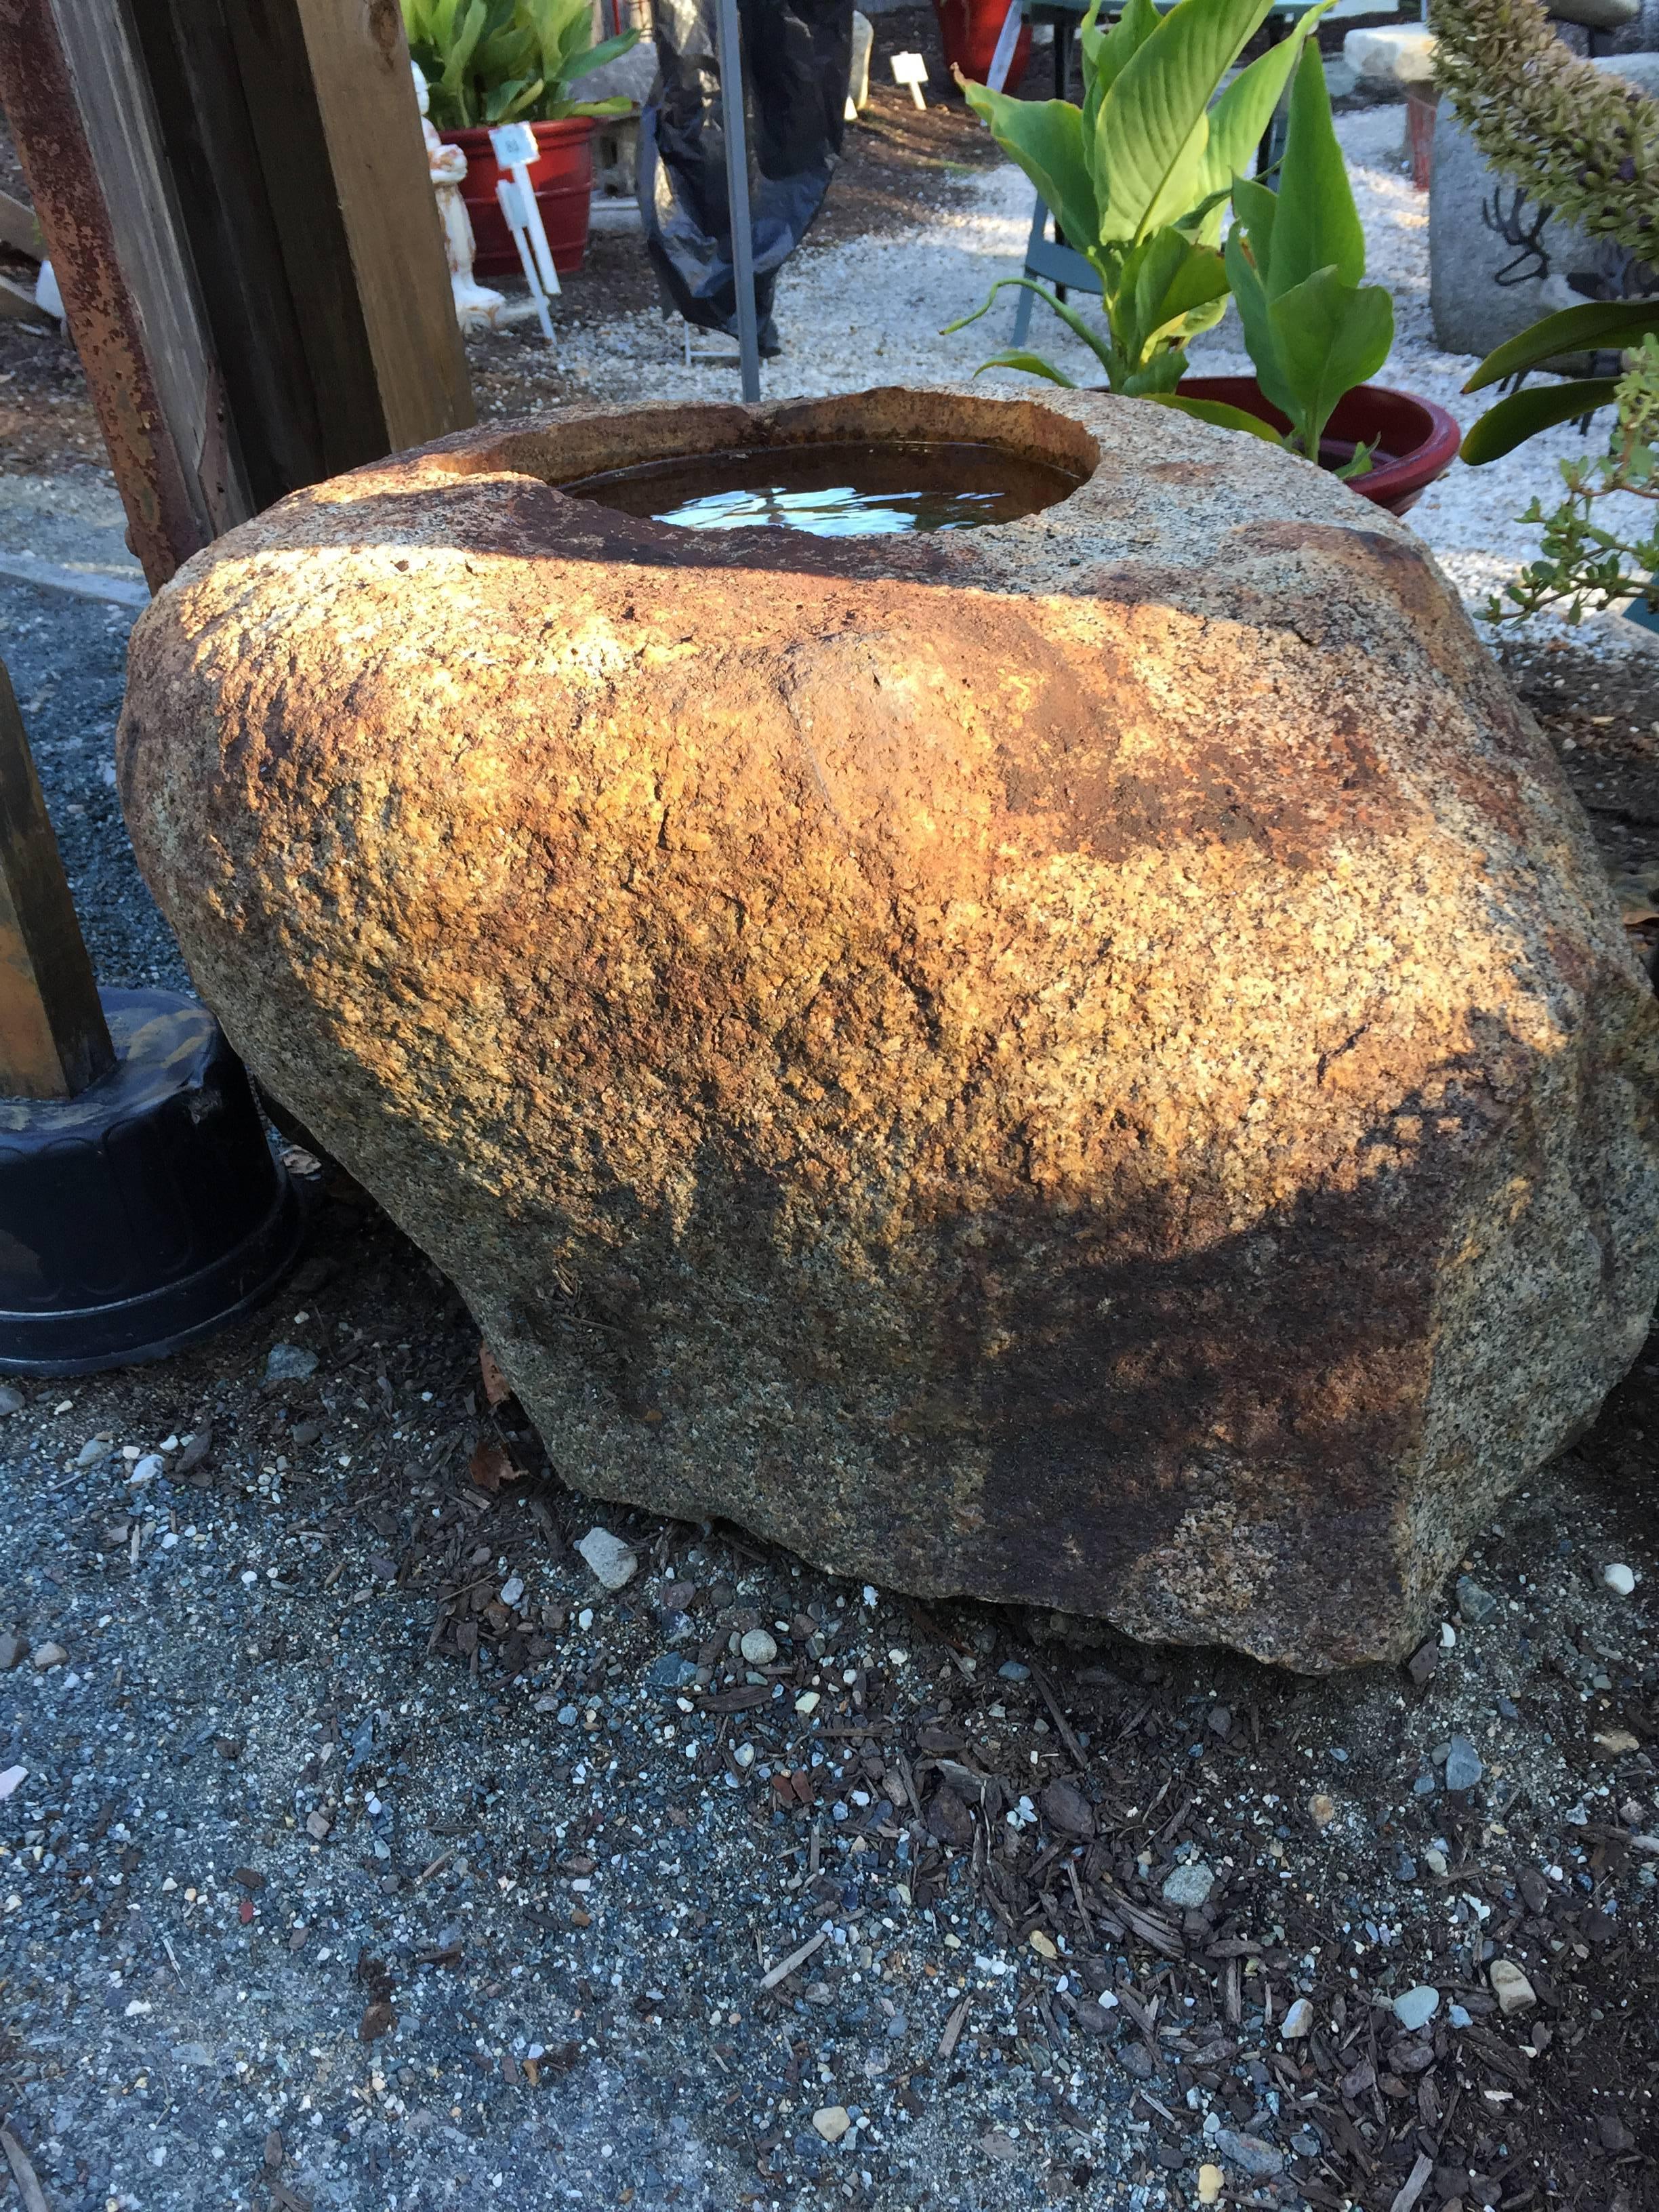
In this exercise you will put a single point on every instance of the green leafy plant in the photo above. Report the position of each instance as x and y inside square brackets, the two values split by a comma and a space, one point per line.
[508, 61]
[1611, 325]
[1138, 178]
[1295, 259]
[1582, 563]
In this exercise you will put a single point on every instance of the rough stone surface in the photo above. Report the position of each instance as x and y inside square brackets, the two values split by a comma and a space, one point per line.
[1391, 55]
[1496, 260]
[1090, 1061]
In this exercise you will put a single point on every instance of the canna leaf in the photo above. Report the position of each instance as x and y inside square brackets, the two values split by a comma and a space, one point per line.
[1099, 347]
[1576, 329]
[1316, 225]
[1032, 363]
[1536, 407]
[1146, 154]
[608, 49]
[1329, 335]
[1045, 137]
[1243, 112]
[1219, 412]
[1166, 280]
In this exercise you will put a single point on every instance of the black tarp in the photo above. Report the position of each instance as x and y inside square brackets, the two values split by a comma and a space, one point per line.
[796, 57]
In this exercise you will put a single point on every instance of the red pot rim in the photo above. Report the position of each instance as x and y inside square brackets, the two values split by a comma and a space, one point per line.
[1420, 439]
[477, 135]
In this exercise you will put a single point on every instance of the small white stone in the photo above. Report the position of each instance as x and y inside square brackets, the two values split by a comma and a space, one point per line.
[744, 1754]
[10, 1780]
[758, 1648]
[1188, 1885]
[512, 1590]
[1298, 2020]
[832, 2122]
[46, 1655]
[613, 1561]
[148, 1469]
[807, 1702]
[1619, 1578]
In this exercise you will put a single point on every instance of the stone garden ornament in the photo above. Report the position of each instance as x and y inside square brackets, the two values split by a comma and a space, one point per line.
[477, 307]
[1088, 1060]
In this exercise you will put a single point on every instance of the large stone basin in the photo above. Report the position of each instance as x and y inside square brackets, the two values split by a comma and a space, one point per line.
[1089, 1060]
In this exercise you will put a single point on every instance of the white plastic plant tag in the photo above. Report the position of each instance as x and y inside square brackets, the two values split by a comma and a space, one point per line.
[1002, 60]
[911, 69]
[517, 203]
[512, 144]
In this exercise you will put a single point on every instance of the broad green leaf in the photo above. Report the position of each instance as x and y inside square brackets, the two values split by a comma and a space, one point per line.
[509, 102]
[1576, 329]
[1219, 412]
[1316, 225]
[1163, 281]
[1243, 112]
[1107, 53]
[1537, 407]
[1045, 137]
[1260, 334]
[1146, 154]
[1329, 337]
[608, 49]
[1032, 363]
[1255, 205]
[1161, 373]
[618, 104]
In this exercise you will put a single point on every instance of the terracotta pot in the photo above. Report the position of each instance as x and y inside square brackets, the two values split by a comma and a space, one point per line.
[969, 30]
[564, 178]
[1414, 441]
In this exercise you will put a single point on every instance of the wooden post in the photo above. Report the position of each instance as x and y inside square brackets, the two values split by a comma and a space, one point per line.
[53, 1039]
[293, 129]
[85, 129]
[236, 199]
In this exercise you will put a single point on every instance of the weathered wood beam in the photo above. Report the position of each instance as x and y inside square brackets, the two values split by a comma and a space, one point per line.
[53, 1039]
[80, 114]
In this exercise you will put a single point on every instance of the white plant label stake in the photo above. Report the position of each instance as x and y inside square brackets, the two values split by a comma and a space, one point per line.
[1002, 60]
[911, 69]
[513, 145]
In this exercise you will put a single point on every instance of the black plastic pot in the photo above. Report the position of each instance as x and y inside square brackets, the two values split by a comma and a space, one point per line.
[147, 1211]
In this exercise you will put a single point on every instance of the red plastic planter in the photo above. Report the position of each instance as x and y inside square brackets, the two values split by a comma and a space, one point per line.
[1414, 441]
[969, 30]
[564, 178]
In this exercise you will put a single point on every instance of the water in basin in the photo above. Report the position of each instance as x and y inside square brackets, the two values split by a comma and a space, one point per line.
[879, 489]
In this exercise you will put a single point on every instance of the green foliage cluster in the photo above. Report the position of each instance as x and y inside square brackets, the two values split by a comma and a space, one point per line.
[1581, 562]
[508, 61]
[1140, 178]
[1575, 137]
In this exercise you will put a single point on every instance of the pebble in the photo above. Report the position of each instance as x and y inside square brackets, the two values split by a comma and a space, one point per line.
[832, 2122]
[1249, 2154]
[512, 1590]
[613, 1561]
[1619, 1578]
[1475, 1605]
[1211, 2180]
[1298, 2020]
[12, 1649]
[1434, 1860]
[1513, 1991]
[1463, 1767]
[1321, 1809]
[150, 1468]
[47, 1654]
[1012, 1671]
[1189, 1885]
[1044, 1946]
[759, 1648]
[807, 1702]
[305, 1432]
[1416, 2008]
[289, 1363]
[94, 1449]
[11, 1400]
[13, 1777]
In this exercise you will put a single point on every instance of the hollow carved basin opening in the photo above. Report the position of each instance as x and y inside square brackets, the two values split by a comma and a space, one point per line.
[843, 488]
